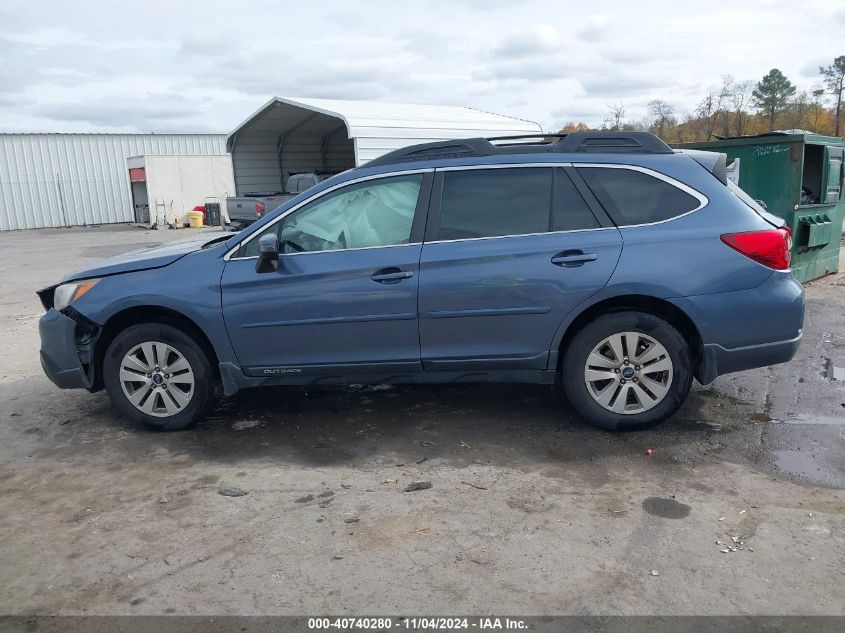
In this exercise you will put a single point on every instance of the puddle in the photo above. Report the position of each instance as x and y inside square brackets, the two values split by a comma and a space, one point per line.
[242, 425]
[802, 465]
[666, 508]
[832, 372]
[797, 464]
[808, 418]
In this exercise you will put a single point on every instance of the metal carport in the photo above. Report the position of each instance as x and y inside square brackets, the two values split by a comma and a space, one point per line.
[293, 135]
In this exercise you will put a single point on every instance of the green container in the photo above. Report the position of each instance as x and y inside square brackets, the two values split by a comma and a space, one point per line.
[774, 168]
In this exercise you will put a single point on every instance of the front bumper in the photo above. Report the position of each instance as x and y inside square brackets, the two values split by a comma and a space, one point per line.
[60, 353]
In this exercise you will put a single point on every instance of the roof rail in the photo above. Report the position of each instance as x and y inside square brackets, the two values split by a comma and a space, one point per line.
[524, 136]
[577, 142]
[612, 142]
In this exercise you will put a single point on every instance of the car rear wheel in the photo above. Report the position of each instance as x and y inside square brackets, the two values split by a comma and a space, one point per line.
[627, 371]
[159, 377]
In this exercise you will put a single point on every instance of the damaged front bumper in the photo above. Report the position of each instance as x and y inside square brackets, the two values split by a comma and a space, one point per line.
[67, 348]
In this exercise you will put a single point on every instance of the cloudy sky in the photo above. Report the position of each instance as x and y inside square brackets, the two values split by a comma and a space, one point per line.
[198, 66]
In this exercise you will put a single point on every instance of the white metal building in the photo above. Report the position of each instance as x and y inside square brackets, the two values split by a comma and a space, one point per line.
[289, 135]
[52, 180]
[71, 179]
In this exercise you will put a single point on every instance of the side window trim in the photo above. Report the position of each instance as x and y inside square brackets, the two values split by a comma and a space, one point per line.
[432, 228]
[416, 231]
[703, 200]
[587, 194]
[421, 211]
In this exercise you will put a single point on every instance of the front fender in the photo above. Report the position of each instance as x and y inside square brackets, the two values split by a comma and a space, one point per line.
[190, 287]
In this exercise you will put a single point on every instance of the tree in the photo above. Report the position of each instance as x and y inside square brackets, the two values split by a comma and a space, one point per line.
[740, 96]
[816, 109]
[705, 111]
[772, 95]
[574, 127]
[834, 80]
[663, 117]
[617, 114]
[797, 110]
[720, 105]
[713, 107]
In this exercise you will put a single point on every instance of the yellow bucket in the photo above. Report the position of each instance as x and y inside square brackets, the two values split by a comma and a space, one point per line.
[195, 218]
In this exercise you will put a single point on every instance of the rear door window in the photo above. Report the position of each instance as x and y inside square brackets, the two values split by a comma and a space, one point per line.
[495, 202]
[633, 197]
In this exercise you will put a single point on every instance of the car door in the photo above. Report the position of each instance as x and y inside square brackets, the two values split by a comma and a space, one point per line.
[344, 296]
[509, 251]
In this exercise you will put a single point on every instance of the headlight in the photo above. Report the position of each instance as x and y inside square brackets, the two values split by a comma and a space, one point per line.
[66, 294]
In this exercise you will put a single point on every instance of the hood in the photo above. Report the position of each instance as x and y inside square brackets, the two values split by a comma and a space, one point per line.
[147, 258]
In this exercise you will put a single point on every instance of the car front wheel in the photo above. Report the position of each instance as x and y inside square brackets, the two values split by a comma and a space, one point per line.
[159, 377]
[627, 371]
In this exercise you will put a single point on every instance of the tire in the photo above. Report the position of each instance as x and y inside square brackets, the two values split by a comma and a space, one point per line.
[181, 398]
[643, 395]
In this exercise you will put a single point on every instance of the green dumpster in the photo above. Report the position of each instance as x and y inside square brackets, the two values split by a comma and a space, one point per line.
[799, 177]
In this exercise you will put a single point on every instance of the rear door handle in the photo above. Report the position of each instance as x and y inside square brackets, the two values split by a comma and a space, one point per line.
[391, 275]
[573, 258]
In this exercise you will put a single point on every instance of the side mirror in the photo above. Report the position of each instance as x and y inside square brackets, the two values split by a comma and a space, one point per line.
[268, 254]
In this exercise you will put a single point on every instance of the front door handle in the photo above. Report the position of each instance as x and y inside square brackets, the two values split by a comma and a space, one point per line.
[391, 275]
[573, 258]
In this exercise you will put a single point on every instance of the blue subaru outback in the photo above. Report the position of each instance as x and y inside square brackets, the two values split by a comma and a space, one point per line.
[605, 261]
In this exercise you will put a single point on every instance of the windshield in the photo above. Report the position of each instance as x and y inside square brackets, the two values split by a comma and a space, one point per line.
[216, 240]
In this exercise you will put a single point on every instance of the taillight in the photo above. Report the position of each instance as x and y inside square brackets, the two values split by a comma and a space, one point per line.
[772, 248]
[259, 208]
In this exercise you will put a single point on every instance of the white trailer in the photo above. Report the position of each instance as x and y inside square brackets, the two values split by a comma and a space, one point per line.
[165, 188]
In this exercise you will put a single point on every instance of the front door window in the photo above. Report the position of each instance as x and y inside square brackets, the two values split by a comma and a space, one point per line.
[364, 215]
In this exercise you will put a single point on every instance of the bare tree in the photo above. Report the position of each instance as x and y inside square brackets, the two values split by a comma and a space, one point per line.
[720, 107]
[797, 110]
[662, 117]
[616, 118]
[740, 100]
[713, 108]
[636, 126]
[704, 110]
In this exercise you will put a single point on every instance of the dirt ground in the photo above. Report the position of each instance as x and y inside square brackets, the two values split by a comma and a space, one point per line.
[530, 511]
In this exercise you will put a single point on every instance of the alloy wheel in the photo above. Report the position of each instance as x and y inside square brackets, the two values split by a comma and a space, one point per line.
[157, 379]
[628, 373]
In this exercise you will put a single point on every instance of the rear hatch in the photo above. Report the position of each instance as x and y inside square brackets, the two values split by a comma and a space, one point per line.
[717, 164]
[751, 202]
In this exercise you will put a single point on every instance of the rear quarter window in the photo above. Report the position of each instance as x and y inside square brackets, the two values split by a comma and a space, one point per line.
[633, 197]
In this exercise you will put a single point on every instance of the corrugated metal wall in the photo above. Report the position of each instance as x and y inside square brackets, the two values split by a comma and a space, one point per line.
[49, 180]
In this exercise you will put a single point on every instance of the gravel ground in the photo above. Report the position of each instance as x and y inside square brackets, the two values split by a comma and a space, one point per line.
[530, 511]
